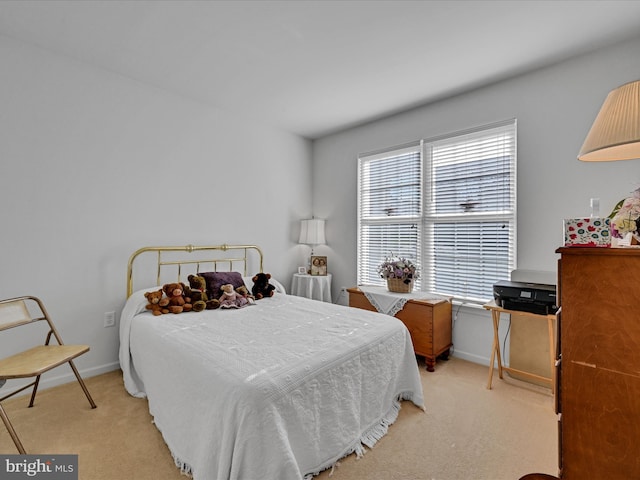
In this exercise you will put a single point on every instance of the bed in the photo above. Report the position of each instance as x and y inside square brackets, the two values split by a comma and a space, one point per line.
[280, 389]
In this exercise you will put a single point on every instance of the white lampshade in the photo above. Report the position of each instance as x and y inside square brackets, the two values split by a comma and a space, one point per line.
[312, 232]
[615, 133]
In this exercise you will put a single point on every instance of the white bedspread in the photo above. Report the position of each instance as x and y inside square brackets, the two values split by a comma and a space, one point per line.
[278, 390]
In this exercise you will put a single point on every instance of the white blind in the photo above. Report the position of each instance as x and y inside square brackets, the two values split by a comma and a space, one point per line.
[389, 209]
[471, 216]
[457, 220]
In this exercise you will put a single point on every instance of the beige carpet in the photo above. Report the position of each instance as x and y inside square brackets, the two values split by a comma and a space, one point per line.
[466, 433]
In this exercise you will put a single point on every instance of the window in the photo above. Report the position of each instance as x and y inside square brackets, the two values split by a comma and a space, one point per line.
[449, 204]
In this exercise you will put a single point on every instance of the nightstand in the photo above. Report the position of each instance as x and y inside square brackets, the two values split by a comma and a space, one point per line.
[316, 287]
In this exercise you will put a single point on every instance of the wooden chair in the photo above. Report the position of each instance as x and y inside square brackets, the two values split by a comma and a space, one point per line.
[21, 312]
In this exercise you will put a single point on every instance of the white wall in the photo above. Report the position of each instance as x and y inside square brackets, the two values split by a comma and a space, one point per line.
[95, 165]
[554, 107]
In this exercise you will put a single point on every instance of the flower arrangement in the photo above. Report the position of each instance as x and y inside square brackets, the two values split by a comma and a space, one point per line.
[398, 268]
[625, 217]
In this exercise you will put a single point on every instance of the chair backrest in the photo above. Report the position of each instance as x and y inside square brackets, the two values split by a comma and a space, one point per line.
[13, 312]
[18, 311]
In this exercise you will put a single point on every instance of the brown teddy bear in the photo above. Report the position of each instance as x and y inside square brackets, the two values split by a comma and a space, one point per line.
[178, 302]
[244, 291]
[157, 302]
[197, 291]
[261, 286]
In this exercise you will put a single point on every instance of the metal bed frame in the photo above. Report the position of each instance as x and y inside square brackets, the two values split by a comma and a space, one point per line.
[196, 257]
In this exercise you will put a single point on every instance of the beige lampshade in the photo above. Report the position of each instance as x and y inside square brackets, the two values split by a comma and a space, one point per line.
[312, 232]
[615, 133]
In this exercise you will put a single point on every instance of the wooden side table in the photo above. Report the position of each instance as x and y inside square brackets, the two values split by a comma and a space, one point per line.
[495, 349]
[428, 321]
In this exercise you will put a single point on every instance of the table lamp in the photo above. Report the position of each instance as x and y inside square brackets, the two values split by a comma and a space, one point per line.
[312, 233]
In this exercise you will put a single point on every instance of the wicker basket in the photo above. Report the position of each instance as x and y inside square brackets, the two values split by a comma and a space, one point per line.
[398, 286]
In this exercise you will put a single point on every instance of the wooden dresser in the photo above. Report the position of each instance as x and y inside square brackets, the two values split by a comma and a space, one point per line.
[598, 376]
[428, 322]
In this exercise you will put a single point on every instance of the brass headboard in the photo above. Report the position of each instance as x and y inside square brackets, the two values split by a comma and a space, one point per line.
[197, 256]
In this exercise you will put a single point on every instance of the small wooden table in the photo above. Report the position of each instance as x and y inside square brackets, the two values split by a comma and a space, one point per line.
[428, 321]
[495, 349]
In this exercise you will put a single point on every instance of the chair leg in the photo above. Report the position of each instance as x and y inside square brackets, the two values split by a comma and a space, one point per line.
[35, 389]
[12, 432]
[81, 382]
[78, 377]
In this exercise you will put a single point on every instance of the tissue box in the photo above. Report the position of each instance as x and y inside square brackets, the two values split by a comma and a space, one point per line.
[587, 232]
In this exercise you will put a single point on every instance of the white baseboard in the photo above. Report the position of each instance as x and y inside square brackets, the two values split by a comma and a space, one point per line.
[470, 357]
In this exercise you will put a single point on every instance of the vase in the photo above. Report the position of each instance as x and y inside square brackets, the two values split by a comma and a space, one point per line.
[397, 285]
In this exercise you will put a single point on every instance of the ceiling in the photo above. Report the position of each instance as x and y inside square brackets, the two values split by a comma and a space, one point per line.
[317, 67]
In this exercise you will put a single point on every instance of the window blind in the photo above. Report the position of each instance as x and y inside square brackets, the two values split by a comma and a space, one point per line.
[389, 209]
[449, 204]
[471, 213]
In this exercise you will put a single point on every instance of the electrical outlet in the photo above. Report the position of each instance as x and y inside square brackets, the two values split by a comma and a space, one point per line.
[109, 319]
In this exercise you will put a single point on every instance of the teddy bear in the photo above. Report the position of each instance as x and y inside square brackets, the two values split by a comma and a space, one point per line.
[261, 286]
[178, 302]
[197, 291]
[244, 291]
[232, 299]
[157, 302]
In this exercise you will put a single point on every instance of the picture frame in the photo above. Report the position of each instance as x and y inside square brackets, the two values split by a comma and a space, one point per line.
[302, 270]
[319, 266]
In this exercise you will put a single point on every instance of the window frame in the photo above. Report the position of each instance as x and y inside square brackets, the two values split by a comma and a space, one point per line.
[427, 219]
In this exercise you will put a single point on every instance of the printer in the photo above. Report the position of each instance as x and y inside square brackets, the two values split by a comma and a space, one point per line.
[534, 298]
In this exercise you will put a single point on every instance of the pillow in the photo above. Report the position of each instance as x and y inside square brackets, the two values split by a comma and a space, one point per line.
[216, 279]
[279, 287]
